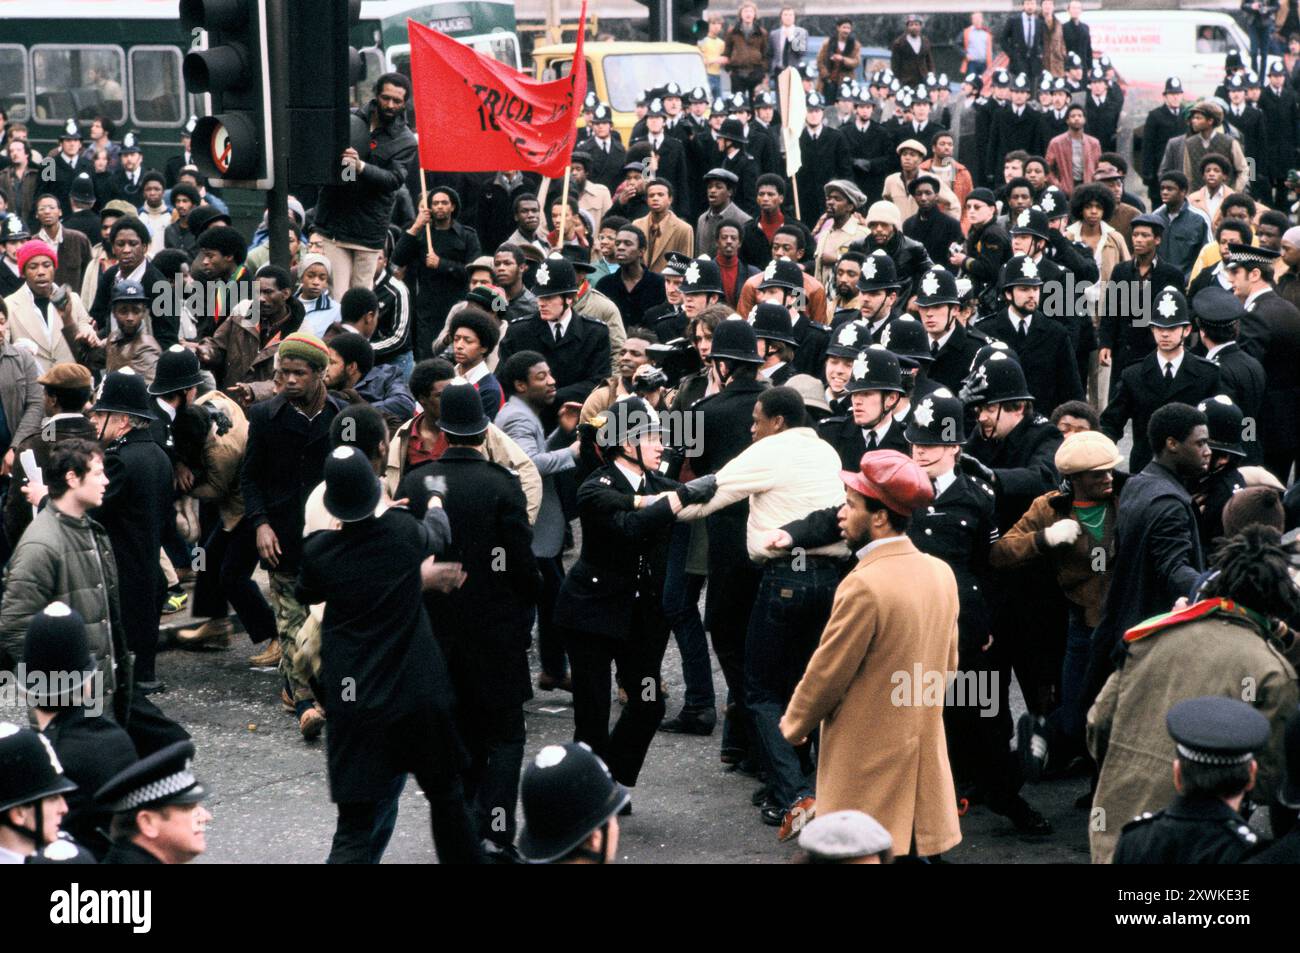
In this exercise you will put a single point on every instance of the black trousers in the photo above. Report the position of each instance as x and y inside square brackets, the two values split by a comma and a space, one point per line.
[550, 642]
[979, 745]
[494, 738]
[227, 579]
[638, 655]
[422, 742]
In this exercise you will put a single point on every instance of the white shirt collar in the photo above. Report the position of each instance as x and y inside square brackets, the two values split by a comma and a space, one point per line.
[947, 334]
[941, 483]
[563, 323]
[633, 477]
[1209, 355]
[880, 429]
[8, 856]
[1177, 362]
[58, 236]
[767, 372]
[1249, 304]
[878, 542]
[167, 408]
[138, 274]
[1017, 317]
[475, 373]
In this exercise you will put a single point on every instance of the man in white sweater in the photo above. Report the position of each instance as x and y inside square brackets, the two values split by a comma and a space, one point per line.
[787, 473]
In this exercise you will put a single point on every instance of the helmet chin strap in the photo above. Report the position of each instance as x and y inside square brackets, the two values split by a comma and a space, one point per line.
[37, 836]
[596, 855]
[884, 411]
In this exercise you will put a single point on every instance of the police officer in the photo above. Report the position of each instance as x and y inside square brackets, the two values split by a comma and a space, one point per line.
[782, 283]
[879, 289]
[906, 339]
[950, 346]
[1167, 375]
[571, 807]
[158, 815]
[484, 625]
[958, 527]
[1218, 315]
[1213, 491]
[1014, 450]
[875, 391]
[137, 504]
[92, 748]
[12, 230]
[611, 602]
[668, 320]
[726, 420]
[1217, 739]
[846, 341]
[32, 807]
[776, 343]
[1043, 344]
[701, 285]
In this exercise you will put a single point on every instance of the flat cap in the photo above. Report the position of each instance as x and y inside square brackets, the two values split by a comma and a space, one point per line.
[66, 375]
[844, 835]
[891, 478]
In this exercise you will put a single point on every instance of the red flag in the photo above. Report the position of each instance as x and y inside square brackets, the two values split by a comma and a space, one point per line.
[475, 114]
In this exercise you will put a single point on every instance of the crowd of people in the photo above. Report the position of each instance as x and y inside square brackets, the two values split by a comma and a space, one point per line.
[868, 418]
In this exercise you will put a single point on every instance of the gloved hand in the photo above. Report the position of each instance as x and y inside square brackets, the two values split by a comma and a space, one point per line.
[699, 490]
[1061, 533]
[862, 165]
[977, 469]
[436, 486]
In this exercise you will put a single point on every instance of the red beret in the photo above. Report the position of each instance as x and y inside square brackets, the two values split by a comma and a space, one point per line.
[892, 478]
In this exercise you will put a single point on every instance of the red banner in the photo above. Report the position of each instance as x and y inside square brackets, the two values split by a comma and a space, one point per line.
[475, 114]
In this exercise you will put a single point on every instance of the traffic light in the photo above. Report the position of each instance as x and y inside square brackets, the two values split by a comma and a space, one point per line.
[322, 69]
[229, 61]
[678, 21]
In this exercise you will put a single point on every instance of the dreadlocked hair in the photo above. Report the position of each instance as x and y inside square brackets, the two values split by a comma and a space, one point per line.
[1253, 570]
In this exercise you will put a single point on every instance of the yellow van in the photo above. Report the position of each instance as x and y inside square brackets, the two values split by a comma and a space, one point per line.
[621, 72]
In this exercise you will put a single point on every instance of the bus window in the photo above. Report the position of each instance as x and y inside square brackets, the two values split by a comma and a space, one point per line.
[78, 81]
[373, 59]
[156, 86]
[502, 47]
[13, 82]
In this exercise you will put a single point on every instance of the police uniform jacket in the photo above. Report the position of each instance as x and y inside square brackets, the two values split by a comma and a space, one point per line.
[1270, 333]
[824, 158]
[958, 527]
[952, 365]
[1192, 830]
[482, 626]
[1162, 125]
[746, 168]
[1254, 135]
[1143, 390]
[1025, 465]
[579, 361]
[1242, 378]
[136, 507]
[1280, 114]
[1123, 330]
[379, 661]
[1102, 122]
[672, 161]
[1046, 356]
[1009, 132]
[1196, 652]
[985, 114]
[92, 750]
[125, 852]
[873, 156]
[65, 174]
[850, 443]
[619, 574]
[607, 167]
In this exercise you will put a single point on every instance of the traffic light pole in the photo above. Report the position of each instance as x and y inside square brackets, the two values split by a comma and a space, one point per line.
[277, 197]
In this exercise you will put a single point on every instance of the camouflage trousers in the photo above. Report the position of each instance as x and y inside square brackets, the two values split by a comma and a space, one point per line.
[290, 615]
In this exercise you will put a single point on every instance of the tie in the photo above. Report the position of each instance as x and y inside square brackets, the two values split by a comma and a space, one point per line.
[604, 144]
[872, 443]
[556, 328]
[934, 349]
[1169, 370]
[1020, 331]
[1029, 31]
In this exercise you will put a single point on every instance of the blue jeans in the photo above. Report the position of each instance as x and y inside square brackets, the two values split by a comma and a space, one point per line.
[793, 604]
[682, 610]
[1070, 718]
[715, 85]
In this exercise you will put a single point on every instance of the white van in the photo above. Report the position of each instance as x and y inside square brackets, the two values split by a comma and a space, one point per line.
[1147, 47]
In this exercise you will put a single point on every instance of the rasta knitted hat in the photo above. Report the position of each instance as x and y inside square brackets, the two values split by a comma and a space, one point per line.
[305, 347]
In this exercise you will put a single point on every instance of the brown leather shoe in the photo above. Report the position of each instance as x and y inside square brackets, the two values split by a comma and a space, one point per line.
[214, 633]
[549, 683]
[800, 813]
[312, 722]
[269, 657]
[286, 702]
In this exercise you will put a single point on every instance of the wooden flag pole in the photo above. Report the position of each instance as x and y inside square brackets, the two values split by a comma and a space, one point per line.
[794, 185]
[564, 205]
[428, 228]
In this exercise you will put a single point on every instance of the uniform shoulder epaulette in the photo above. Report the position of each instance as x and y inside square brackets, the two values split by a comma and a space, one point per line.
[1167, 620]
[1242, 832]
[982, 485]
[1146, 817]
